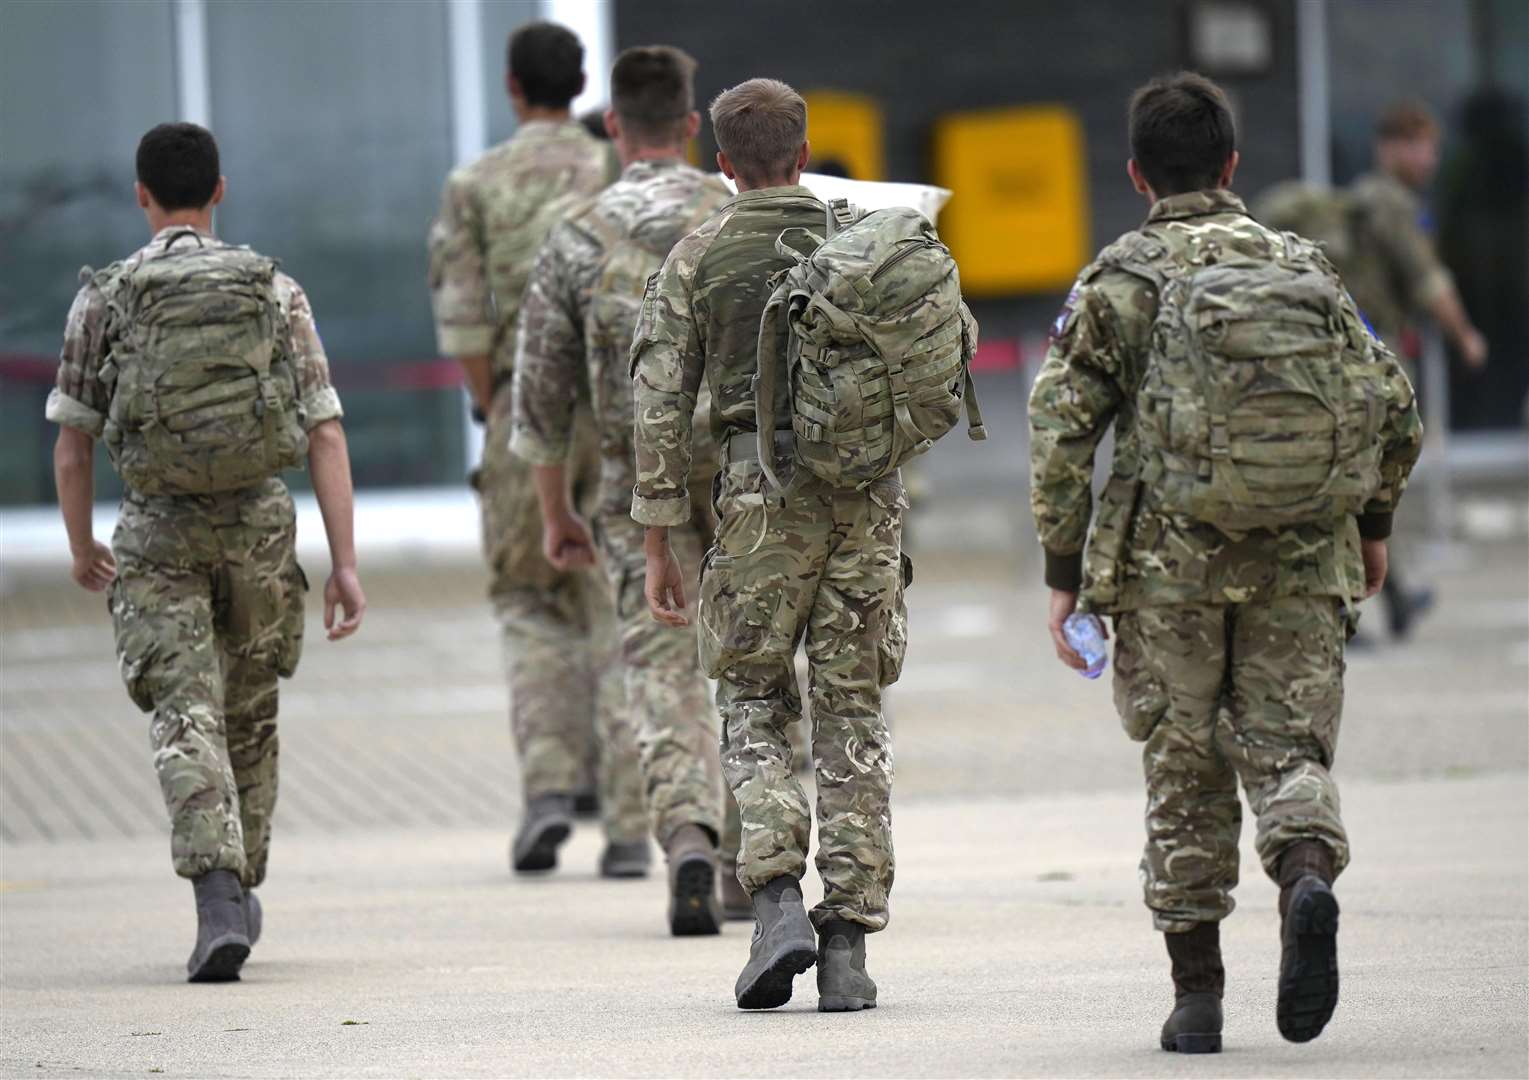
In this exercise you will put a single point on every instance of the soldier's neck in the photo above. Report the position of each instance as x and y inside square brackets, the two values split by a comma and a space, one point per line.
[631, 155]
[200, 220]
[530, 113]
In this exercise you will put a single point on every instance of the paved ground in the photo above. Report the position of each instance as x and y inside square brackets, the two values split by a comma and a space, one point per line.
[1019, 946]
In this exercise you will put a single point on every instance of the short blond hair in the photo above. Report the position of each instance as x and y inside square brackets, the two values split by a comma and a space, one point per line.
[760, 125]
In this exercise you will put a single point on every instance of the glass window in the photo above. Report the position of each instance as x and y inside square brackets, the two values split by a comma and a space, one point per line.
[79, 84]
[335, 130]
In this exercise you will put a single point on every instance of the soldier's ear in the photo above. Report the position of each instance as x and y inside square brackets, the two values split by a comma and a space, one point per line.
[803, 155]
[725, 166]
[1138, 181]
[692, 124]
[144, 198]
[1230, 170]
[218, 192]
[612, 125]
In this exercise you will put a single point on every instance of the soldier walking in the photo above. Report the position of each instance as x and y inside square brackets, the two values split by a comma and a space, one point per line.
[557, 628]
[798, 557]
[1263, 437]
[199, 365]
[577, 323]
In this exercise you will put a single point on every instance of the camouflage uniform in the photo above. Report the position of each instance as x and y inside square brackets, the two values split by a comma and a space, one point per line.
[207, 603]
[1229, 651]
[571, 337]
[558, 631]
[1392, 269]
[825, 566]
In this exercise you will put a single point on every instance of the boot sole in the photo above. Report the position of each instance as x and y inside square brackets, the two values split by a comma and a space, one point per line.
[771, 988]
[1308, 987]
[693, 903]
[621, 871]
[845, 1004]
[1194, 1044]
[541, 852]
[224, 959]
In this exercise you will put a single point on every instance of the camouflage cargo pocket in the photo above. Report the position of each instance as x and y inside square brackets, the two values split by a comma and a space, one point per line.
[137, 648]
[892, 645]
[738, 618]
[289, 645]
[1140, 697]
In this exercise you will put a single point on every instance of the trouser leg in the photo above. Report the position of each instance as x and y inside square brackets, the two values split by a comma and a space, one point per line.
[1285, 704]
[250, 693]
[858, 597]
[169, 659]
[1170, 671]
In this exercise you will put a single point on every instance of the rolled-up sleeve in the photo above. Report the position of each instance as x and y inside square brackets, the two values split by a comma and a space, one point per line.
[667, 365]
[79, 399]
[549, 354]
[320, 401]
[460, 294]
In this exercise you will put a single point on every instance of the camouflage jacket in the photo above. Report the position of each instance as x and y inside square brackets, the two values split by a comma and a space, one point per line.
[1392, 270]
[495, 213]
[700, 322]
[566, 345]
[80, 399]
[1138, 555]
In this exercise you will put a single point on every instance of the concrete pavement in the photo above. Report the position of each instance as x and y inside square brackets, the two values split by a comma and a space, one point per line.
[1018, 948]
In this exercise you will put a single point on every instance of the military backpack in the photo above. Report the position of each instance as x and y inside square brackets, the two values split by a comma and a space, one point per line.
[203, 395]
[1251, 413]
[869, 329]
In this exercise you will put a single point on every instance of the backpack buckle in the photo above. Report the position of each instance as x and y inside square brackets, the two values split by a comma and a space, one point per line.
[1220, 437]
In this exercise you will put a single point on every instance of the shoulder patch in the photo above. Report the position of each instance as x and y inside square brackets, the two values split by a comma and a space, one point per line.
[1066, 317]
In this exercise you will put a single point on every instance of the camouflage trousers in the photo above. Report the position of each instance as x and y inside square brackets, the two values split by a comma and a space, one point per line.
[668, 707]
[208, 612]
[826, 568]
[559, 640]
[1219, 692]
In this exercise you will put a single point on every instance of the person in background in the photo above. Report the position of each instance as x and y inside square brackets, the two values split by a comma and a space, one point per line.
[557, 628]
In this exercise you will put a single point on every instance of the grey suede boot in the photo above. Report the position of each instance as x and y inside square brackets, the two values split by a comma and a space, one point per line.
[843, 985]
[254, 917]
[222, 943]
[1308, 966]
[623, 859]
[1194, 1026]
[547, 823]
[783, 946]
[693, 908]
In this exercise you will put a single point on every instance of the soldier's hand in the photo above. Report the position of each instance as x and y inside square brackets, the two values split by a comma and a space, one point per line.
[1473, 350]
[343, 591]
[94, 568]
[1064, 604]
[1376, 562]
[567, 543]
[665, 589]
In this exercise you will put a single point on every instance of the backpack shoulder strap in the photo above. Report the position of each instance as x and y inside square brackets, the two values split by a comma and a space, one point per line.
[773, 340]
[840, 215]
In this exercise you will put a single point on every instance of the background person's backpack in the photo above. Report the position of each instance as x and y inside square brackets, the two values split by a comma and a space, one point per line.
[876, 346]
[204, 398]
[1251, 415]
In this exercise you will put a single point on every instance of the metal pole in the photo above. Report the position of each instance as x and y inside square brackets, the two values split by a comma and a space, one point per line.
[1315, 99]
[193, 86]
[1437, 473]
[469, 138]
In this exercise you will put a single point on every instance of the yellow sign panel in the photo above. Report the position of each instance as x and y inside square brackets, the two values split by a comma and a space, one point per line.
[1017, 220]
[845, 130]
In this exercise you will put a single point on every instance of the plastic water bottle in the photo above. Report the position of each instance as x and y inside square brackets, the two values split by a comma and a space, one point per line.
[1085, 633]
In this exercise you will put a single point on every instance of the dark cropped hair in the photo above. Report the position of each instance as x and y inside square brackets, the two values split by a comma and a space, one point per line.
[653, 91]
[1182, 133]
[178, 163]
[548, 62]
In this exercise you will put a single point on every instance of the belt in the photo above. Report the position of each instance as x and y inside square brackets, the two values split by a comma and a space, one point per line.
[744, 446]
